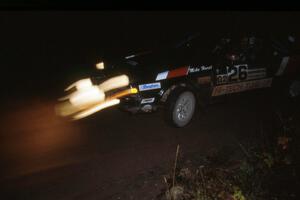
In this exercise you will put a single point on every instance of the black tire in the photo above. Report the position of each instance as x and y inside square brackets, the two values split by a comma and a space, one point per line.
[180, 107]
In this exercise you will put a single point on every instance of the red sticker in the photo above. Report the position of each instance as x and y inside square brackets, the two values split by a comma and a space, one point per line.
[182, 71]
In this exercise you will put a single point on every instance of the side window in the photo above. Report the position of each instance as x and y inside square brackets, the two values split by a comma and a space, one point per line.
[222, 46]
[251, 49]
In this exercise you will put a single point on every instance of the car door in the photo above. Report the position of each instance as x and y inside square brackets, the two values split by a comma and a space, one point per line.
[229, 67]
[255, 55]
[240, 68]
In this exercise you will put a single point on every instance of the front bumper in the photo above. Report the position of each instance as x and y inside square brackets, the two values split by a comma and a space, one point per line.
[132, 104]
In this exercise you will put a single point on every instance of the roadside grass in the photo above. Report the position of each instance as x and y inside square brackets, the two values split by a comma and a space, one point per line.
[263, 170]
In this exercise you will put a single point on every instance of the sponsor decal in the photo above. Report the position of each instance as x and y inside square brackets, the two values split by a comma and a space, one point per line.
[162, 76]
[148, 100]
[149, 86]
[182, 71]
[257, 73]
[222, 79]
[239, 87]
[234, 73]
[206, 68]
[238, 73]
[256, 70]
[204, 80]
[193, 69]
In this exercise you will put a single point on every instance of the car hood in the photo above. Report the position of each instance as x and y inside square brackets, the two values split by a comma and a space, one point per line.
[144, 66]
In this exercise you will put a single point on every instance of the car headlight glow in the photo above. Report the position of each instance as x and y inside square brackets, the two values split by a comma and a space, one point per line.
[115, 82]
[81, 84]
[100, 65]
[87, 96]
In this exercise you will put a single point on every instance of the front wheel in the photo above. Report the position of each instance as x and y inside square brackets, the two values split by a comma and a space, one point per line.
[181, 107]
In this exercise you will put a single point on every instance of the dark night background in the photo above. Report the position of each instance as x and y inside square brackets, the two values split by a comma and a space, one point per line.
[44, 50]
[111, 154]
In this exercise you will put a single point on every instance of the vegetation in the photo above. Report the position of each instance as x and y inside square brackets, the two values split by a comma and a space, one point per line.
[262, 170]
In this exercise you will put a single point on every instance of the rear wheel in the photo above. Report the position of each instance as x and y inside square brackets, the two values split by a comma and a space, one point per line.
[181, 107]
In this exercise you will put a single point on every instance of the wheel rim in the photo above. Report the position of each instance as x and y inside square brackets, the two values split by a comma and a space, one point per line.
[184, 108]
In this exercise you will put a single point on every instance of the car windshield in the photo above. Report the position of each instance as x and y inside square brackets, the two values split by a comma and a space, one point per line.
[165, 43]
[187, 39]
[176, 40]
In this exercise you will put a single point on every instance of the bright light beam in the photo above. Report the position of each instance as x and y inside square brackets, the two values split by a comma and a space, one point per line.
[115, 82]
[100, 65]
[86, 97]
[81, 84]
[96, 108]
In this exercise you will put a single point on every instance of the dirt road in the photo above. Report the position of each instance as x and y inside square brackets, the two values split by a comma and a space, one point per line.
[111, 155]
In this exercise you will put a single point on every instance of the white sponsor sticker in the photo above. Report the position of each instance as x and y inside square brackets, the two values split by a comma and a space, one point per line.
[205, 68]
[148, 100]
[193, 69]
[162, 76]
[149, 86]
[256, 70]
[256, 76]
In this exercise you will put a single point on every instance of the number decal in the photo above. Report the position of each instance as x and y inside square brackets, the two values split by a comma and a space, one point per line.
[222, 79]
[234, 73]
[237, 73]
[243, 72]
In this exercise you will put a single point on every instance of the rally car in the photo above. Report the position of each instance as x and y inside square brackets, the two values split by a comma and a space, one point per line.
[178, 79]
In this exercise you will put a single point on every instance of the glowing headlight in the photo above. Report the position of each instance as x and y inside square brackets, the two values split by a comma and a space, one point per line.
[100, 65]
[96, 108]
[114, 82]
[87, 96]
[81, 84]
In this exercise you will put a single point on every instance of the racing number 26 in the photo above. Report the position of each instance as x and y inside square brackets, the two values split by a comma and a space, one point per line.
[237, 72]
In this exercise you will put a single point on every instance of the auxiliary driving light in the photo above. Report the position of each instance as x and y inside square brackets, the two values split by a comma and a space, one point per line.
[100, 65]
[87, 96]
[81, 84]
